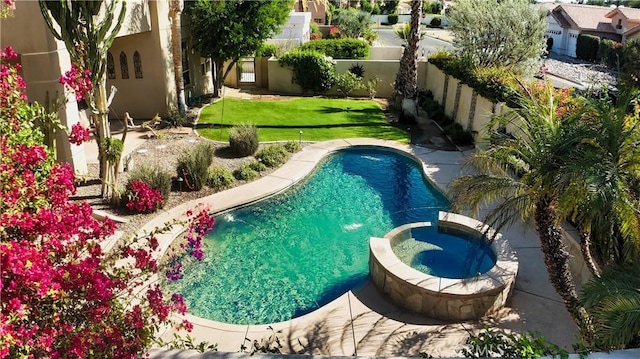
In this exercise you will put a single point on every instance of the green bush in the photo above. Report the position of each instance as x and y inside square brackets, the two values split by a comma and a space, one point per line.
[611, 53]
[243, 139]
[365, 5]
[354, 49]
[219, 178]
[458, 135]
[435, 111]
[174, 118]
[587, 47]
[245, 173]
[155, 178]
[266, 50]
[193, 166]
[292, 146]
[348, 82]
[257, 166]
[311, 70]
[392, 19]
[273, 155]
[435, 22]
[371, 85]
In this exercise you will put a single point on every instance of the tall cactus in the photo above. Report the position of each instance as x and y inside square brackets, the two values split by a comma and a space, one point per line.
[88, 28]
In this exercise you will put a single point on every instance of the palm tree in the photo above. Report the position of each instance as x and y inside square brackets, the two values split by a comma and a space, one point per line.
[613, 301]
[522, 172]
[175, 11]
[406, 84]
[609, 183]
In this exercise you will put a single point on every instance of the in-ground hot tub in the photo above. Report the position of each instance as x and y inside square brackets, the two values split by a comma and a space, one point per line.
[442, 289]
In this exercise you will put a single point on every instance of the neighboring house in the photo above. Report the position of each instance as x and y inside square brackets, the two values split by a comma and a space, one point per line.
[296, 31]
[626, 22]
[318, 9]
[139, 65]
[567, 21]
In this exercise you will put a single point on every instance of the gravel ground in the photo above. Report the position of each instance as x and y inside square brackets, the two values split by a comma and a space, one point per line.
[580, 71]
[166, 158]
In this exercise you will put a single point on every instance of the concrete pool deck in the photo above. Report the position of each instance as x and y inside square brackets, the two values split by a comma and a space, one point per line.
[362, 321]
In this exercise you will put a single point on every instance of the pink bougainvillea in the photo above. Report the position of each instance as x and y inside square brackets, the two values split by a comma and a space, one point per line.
[63, 295]
[78, 81]
[143, 198]
[79, 134]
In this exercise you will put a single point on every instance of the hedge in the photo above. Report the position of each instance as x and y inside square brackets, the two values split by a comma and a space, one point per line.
[353, 49]
[587, 47]
[611, 53]
[311, 70]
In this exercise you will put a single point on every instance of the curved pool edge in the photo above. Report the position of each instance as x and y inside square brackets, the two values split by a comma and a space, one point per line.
[297, 168]
[444, 298]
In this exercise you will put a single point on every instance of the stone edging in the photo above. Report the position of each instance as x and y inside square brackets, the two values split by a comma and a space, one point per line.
[444, 298]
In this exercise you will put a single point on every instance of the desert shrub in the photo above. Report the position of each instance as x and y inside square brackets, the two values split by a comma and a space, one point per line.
[155, 178]
[257, 166]
[436, 22]
[347, 82]
[245, 173]
[492, 343]
[174, 118]
[193, 166]
[630, 69]
[339, 48]
[219, 178]
[312, 71]
[273, 155]
[266, 50]
[587, 47]
[243, 139]
[458, 135]
[371, 85]
[292, 146]
[392, 19]
[435, 111]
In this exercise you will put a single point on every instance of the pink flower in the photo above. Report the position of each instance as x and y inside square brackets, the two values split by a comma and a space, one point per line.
[78, 81]
[8, 53]
[143, 198]
[79, 134]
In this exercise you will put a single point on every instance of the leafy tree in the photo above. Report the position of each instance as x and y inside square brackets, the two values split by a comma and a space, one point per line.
[389, 6]
[498, 33]
[523, 173]
[88, 34]
[613, 301]
[353, 23]
[232, 29]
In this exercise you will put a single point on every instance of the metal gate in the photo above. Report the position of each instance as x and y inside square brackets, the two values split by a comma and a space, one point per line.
[247, 73]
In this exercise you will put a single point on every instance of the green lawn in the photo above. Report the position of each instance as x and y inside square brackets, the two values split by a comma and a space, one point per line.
[319, 119]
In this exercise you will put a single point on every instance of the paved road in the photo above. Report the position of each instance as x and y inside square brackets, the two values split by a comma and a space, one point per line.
[429, 44]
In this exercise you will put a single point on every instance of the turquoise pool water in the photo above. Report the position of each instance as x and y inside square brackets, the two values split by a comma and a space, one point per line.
[290, 254]
[445, 254]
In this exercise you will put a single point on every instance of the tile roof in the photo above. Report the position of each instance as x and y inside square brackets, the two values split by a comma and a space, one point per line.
[587, 17]
[632, 31]
[628, 12]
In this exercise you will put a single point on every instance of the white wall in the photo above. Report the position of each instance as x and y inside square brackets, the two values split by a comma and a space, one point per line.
[296, 28]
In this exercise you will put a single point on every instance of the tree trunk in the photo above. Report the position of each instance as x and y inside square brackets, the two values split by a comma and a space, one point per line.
[406, 84]
[585, 248]
[556, 259]
[101, 122]
[175, 9]
[218, 80]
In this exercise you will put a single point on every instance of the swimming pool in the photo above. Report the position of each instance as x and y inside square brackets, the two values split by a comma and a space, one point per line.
[290, 254]
[444, 253]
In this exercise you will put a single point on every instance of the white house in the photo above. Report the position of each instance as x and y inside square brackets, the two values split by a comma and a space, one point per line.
[295, 32]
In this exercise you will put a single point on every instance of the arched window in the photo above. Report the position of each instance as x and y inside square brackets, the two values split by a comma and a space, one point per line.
[111, 68]
[137, 65]
[124, 66]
